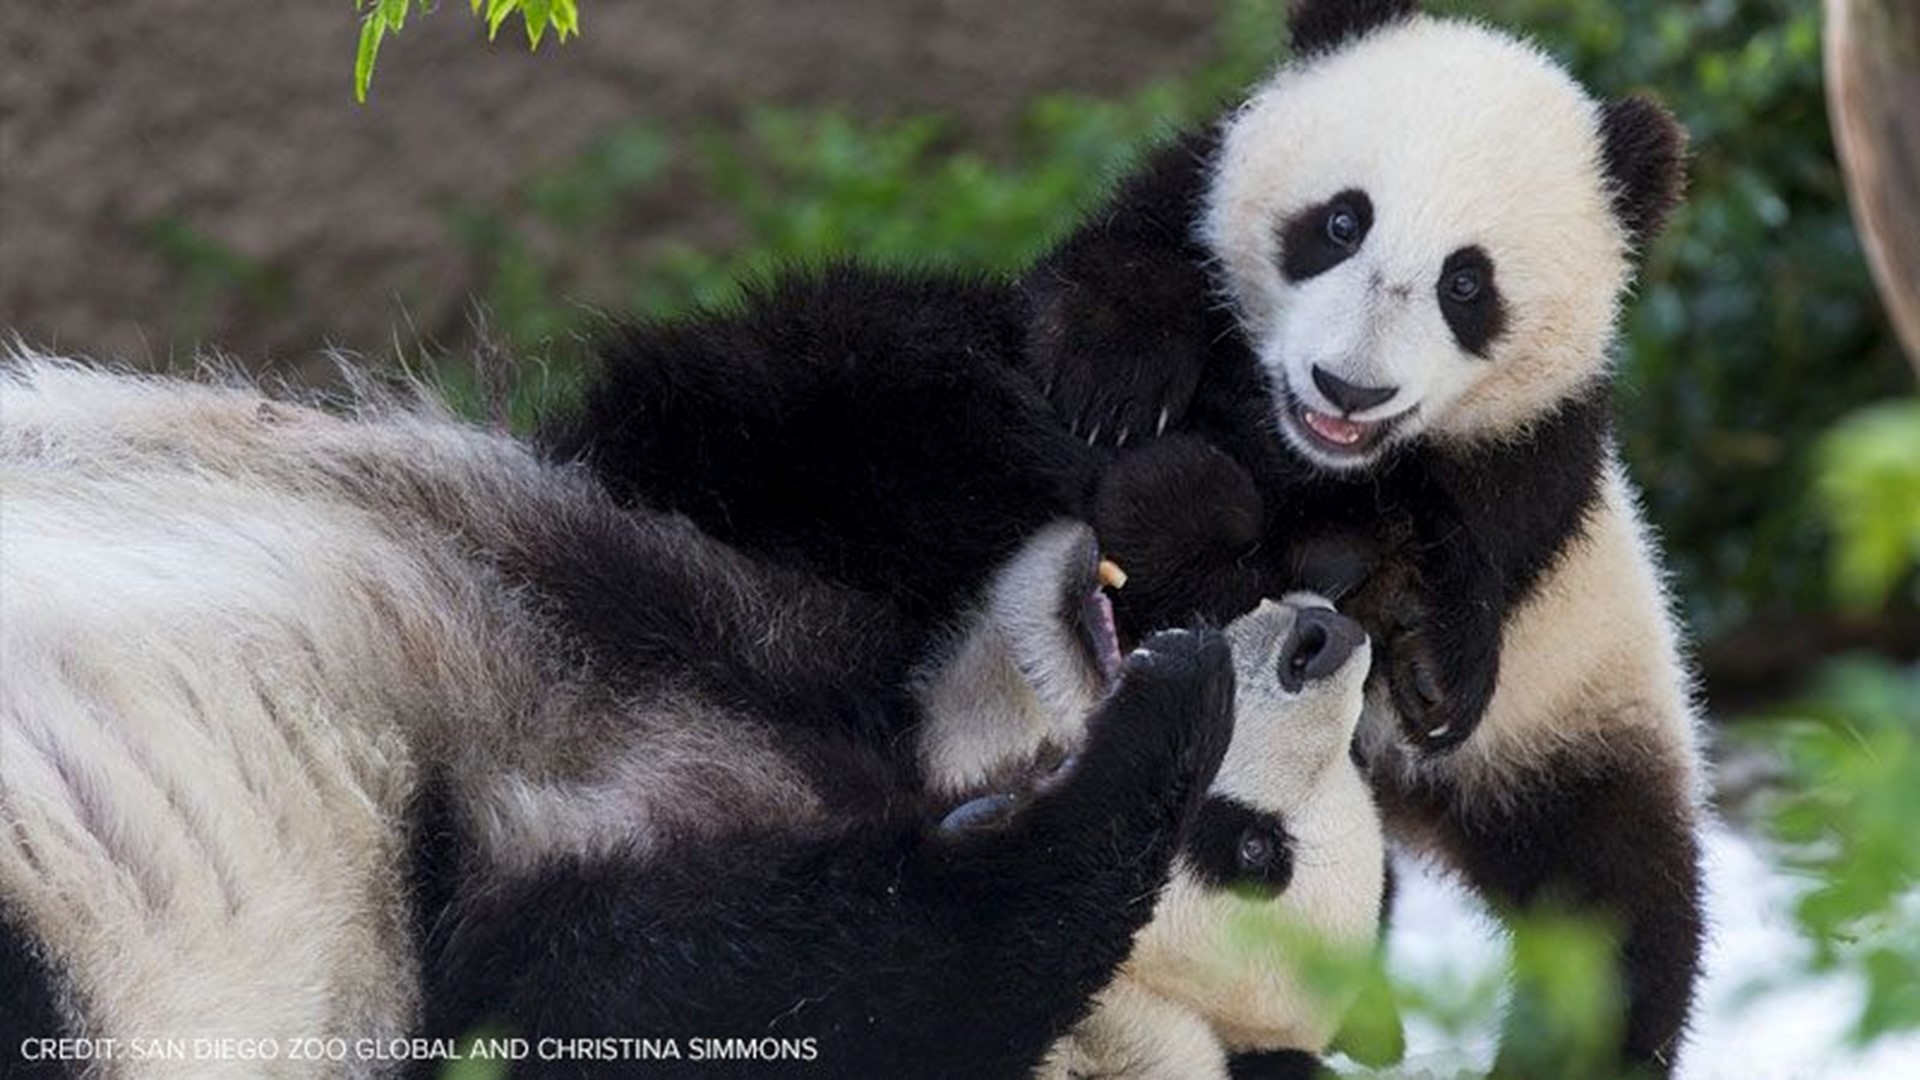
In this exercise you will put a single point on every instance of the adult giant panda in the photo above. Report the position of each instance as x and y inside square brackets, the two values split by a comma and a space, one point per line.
[318, 727]
[1362, 329]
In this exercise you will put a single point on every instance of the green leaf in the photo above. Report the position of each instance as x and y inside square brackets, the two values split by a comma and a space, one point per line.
[372, 29]
[497, 12]
[535, 14]
[1869, 482]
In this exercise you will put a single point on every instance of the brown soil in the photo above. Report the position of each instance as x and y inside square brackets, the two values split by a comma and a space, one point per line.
[236, 122]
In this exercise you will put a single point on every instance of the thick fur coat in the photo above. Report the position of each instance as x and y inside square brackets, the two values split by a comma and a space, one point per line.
[1352, 339]
[373, 725]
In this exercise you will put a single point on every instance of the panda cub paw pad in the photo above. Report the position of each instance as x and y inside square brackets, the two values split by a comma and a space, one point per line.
[1435, 716]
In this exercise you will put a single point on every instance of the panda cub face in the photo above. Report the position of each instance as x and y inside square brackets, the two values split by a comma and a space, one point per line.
[1288, 842]
[1416, 231]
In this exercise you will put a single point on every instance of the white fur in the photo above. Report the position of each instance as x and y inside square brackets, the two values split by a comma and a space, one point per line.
[1591, 662]
[204, 765]
[1196, 986]
[1459, 135]
[1136, 1034]
[1014, 678]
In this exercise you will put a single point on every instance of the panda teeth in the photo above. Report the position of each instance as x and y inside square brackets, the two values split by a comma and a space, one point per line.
[1335, 430]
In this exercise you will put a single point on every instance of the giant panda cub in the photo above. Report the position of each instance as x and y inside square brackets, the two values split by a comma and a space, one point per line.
[1385, 287]
[320, 727]
[1287, 844]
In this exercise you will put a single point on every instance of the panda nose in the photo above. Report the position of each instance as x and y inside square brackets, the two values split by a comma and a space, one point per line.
[1317, 646]
[1350, 398]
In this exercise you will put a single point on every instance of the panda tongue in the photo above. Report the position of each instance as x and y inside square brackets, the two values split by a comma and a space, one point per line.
[1335, 430]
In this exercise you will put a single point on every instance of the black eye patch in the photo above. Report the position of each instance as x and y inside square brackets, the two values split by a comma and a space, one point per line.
[1235, 845]
[1324, 235]
[1470, 300]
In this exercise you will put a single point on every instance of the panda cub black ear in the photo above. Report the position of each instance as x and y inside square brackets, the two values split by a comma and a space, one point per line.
[1320, 26]
[1644, 151]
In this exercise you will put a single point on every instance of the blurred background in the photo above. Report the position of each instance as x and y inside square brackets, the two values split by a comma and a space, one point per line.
[179, 176]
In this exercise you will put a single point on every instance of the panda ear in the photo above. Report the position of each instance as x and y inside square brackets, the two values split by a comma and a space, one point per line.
[1644, 151]
[1319, 26]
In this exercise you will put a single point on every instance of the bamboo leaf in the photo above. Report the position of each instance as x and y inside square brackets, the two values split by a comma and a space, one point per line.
[372, 30]
[497, 12]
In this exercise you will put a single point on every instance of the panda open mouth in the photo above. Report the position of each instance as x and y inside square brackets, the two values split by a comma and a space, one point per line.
[1092, 619]
[1338, 436]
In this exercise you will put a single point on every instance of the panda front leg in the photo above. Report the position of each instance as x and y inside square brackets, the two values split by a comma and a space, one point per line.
[1596, 829]
[889, 948]
[870, 427]
[1123, 315]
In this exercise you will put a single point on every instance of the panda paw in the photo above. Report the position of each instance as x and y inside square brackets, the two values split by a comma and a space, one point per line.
[1167, 725]
[1118, 360]
[1441, 698]
[1182, 519]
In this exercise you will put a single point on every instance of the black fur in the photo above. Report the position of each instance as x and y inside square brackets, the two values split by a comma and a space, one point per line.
[1186, 520]
[1234, 845]
[650, 598]
[1320, 26]
[1478, 321]
[1276, 1065]
[1311, 244]
[1607, 832]
[900, 950]
[1644, 151]
[808, 423]
[1105, 369]
[30, 993]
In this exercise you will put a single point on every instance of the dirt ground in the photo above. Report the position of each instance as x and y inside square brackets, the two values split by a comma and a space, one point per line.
[124, 124]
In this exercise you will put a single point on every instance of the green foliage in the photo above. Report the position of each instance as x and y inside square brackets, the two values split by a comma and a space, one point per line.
[1344, 979]
[383, 17]
[1847, 822]
[1846, 814]
[1568, 1014]
[471, 1065]
[1565, 1016]
[1869, 486]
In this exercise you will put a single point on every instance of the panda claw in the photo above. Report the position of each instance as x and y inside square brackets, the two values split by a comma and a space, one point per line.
[1160, 428]
[982, 813]
[1094, 435]
[1440, 732]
